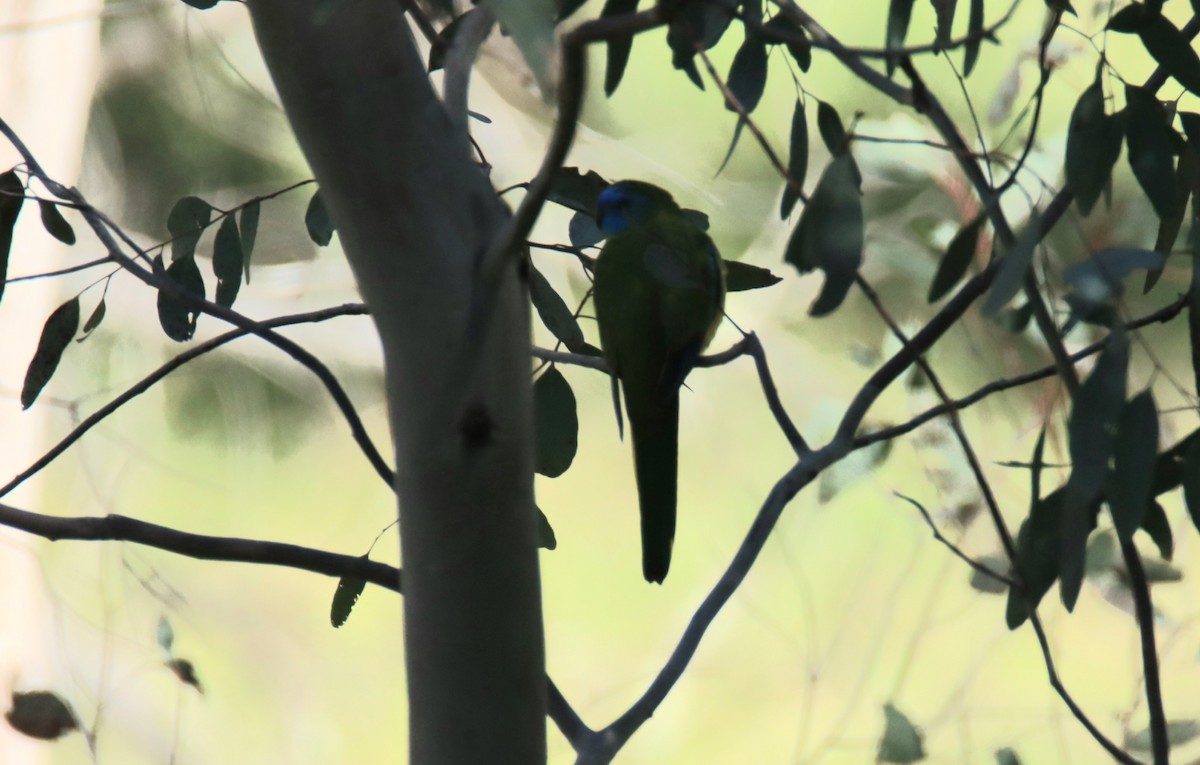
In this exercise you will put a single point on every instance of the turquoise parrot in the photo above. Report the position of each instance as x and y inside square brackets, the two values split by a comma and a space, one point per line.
[659, 294]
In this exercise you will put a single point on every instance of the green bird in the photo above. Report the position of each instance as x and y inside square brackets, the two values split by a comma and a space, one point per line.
[659, 294]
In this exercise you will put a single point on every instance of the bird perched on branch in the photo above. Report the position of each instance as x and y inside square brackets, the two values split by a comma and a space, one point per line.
[659, 294]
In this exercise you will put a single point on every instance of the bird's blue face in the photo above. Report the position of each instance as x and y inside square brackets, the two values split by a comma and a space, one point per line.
[621, 206]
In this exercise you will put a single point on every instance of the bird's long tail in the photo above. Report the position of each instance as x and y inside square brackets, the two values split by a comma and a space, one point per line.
[655, 430]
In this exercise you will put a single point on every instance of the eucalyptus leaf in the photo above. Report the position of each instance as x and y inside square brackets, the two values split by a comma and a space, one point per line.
[54, 222]
[748, 73]
[1150, 139]
[227, 261]
[556, 424]
[1011, 276]
[176, 317]
[41, 715]
[553, 312]
[957, 259]
[829, 235]
[349, 588]
[797, 160]
[740, 277]
[57, 333]
[901, 741]
[248, 231]
[975, 35]
[1134, 453]
[12, 197]
[317, 221]
[899, 15]
[186, 223]
[619, 48]
[1093, 145]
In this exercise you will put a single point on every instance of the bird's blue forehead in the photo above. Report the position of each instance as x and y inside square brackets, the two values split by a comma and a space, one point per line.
[620, 206]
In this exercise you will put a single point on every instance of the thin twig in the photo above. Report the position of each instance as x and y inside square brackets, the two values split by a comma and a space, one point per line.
[937, 535]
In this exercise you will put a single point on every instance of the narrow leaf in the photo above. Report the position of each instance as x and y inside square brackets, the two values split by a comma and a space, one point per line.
[1093, 145]
[56, 336]
[829, 124]
[556, 424]
[944, 10]
[899, 15]
[227, 261]
[1191, 481]
[829, 235]
[743, 276]
[249, 234]
[54, 222]
[619, 48]
[797, 160]
[185, 671]
[177, 319]
[12, 196]
[93, 320]
[975, 33]
[553, 312]
[797, 41]
[1167, 46]
[1011, 276]
[1037, 558]
[317, 221]
[957, 258]
[1150, 139]
[1091, 430]
[748, 73]
[186, 222]
[1158, 528]
[1134, 456]
[349, 588]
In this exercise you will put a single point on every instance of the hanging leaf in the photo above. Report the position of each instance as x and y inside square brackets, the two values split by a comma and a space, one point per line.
[556, 424]
[975, 33]
[829, 235]
[186, 672]
[1187, 180]
[1150, 140]
[957, 258]
[56, 336]
[944, 10]
[740, 277]
[797, 41]
[1134, 453]
[1129, 19]
[1037, 543]
[12, 196]
[349, 588]
[899, 14]
[692, 25]
[227, 261]
[619, 48]
[748, 73]
[833, 133]
[583, 230]
[1170, 49]
[93, 320]
[797, 160]
[545, 532]
[1011, 276]
[554, 312]
[1095, 414]
[41, 714]
[901, 741]
[576, 190]
[317, 221]
[1158, 528]
[54, 222]
[186, 222]
[1093, 145]
[177, 319]
[1191, 481]
[249, 234]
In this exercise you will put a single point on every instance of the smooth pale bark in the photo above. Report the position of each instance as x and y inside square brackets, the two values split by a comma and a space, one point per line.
[415, 216]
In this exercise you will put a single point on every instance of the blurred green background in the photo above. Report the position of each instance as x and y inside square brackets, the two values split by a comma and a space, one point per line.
[852, 604]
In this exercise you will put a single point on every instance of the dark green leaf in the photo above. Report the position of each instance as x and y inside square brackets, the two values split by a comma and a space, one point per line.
[227, 261]
[1007, 756]
[829, 235]
[975, 33]
[1169, 470]
[1129, 19]
[12, 196]
[1091, 430]
[618, 47]
[797, 41]
[797, 159]
[986, 583]
[178, 321]
[186, 222]
[41, 714]
[93, 320]
[899, 14]
[958, 257]
[441, 43]
[1178, 732]
[545, 531]
[317, 221]
[743, 276]
[944, 10]
[1191, 126]
[56, 336]
[692, 25]
[575, 190]
[1134, 456]
[1156, 525]
[555, 423]
[1037, 558]
[203, 5]
[829, 123]
[1011, 276]
[1150, 140]
[553, 311]
[1167, 45]
[186, 672]
[1191, 481]
[583, 230]
[1187, 179]
[249, 234]
[901, 741]
[344, 598]
[1093, 145]
[748, 73]
[54, 222]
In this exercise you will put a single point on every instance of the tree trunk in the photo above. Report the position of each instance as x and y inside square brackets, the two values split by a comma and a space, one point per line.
[415, 216]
